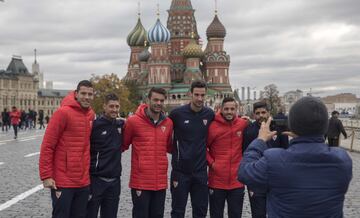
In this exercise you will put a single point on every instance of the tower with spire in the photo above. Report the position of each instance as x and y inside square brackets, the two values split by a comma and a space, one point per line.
[177, 58]
[36, 71]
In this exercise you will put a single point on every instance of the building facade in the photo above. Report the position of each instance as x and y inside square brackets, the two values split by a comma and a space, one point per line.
[172, 57]
[20, 88]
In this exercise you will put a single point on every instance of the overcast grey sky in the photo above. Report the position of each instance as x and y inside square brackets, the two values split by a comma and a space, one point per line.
[296, 44]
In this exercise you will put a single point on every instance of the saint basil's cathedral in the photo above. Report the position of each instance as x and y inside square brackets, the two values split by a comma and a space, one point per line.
[171, 57]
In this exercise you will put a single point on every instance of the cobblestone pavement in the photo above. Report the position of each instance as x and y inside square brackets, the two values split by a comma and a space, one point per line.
[19, 174]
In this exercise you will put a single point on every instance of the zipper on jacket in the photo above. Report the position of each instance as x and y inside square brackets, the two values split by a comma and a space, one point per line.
[97, 160]
[178, 150]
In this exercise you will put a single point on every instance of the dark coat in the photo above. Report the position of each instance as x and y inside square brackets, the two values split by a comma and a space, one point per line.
[335, 128]
[307, 180]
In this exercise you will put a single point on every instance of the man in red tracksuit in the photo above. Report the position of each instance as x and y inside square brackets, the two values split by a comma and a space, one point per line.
[65, 153]
[224, 153]
[149, 132]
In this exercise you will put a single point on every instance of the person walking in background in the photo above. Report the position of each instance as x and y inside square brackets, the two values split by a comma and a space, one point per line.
[149, 132]
[335, 128]
[65, 153]
[5, 120]
[105, 163]
[224, 153]
[41, 119]
[15, 120]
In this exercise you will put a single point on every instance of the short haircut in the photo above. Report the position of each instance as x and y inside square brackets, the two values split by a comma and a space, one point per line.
[85, 83]
[111, 97]
[227, 99]
[198, 84]
[260, 104]
[156, 90]
[334, 113]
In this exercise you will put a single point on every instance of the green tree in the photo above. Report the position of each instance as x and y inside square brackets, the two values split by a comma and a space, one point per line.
[111, 83]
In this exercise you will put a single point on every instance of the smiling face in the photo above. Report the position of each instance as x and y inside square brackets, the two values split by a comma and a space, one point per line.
[228, 110]
[111, 109]
[156, 102]
[84, 96]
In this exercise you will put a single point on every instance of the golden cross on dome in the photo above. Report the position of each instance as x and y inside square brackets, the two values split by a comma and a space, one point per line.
[139, 13]
[216, 7]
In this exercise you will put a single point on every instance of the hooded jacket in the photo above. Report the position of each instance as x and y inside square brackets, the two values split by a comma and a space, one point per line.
[150, 143]
[65, 150]
[224, 152]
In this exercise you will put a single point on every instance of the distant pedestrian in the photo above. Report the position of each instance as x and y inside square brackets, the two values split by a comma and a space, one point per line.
[335, 128]
[47, 119]
[5, 120]
[15, 119]
[41, 119]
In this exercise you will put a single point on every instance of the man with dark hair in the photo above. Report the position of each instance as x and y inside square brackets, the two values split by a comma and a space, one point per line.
[189, 167]
[261, 114]
[224, 153]
[150, 133]
[65, 153]
[308, 179]
[105, 163]
[335, 128]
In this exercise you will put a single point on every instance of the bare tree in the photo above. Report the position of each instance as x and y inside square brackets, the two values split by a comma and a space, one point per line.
[271, 96]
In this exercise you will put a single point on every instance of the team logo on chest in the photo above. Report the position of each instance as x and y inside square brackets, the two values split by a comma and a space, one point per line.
[238, 133]
[119, 130]
[274, 137]
[163, 128]
[205, 122]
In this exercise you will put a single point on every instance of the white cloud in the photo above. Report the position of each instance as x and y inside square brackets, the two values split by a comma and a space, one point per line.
[292, 43]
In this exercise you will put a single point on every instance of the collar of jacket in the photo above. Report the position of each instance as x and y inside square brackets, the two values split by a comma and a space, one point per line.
[307, 139]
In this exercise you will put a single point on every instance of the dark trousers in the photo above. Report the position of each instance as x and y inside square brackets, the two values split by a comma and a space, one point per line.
[148, 204]
[104, 196]
[69, 202]
[234, 199]
[15, 130]
[333, 141]
[258, 205]
[183, 184]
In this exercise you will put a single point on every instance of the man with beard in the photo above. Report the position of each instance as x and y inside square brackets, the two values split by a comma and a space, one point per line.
[150, 133]
[65, 153]
[105, 165]
[189, 167]
[224, 153]
[258, 196]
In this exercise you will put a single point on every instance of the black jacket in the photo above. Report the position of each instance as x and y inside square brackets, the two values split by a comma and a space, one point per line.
[105, 148]
[190, 134]
[335, 128]
[252, 131]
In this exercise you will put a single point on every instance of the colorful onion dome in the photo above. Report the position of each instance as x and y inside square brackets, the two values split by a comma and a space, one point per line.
[144, 55]
[137, 36]
[193, 50]
[216, 29]
[158, 33]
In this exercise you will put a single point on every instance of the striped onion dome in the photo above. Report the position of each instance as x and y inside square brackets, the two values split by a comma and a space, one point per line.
[193, 50]
[158, 33]
[137, 36]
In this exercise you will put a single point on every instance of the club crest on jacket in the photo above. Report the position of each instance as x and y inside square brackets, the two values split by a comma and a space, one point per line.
[163, 128]
[205, 122]
[238, 133]
[175, 184]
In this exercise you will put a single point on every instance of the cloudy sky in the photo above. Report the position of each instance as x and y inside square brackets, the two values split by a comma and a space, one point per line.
[296, 44]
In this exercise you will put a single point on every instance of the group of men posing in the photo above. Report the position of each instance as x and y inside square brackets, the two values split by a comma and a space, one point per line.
[80, 159]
